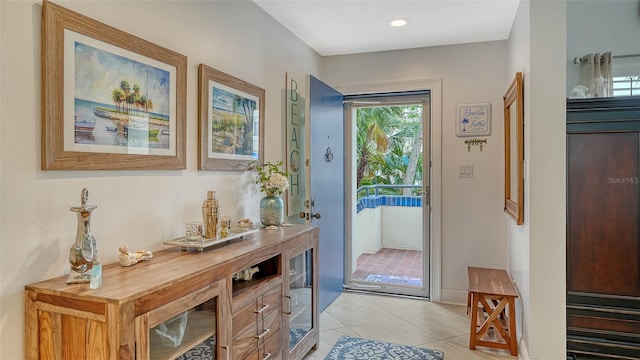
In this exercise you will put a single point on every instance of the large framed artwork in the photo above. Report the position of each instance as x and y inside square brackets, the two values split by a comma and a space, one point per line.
[231, 116]
[110, 100]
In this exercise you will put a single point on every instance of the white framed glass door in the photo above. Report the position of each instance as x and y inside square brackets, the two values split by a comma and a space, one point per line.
[388, 195]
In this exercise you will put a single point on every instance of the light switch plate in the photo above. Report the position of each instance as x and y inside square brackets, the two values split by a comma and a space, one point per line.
[465, 171]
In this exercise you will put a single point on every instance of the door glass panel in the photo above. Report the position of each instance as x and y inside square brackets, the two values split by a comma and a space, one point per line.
[301, 293]
[186, 334]
[390, 222]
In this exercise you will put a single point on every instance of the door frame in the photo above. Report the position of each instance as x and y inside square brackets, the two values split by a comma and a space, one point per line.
[435, 88]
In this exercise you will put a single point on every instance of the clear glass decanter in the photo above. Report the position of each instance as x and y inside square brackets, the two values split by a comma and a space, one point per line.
[83, 253]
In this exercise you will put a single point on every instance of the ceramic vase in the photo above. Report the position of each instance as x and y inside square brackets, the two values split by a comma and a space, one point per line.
[271, 210]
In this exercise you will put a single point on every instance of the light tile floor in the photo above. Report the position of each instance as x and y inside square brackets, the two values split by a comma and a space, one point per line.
[402, 321]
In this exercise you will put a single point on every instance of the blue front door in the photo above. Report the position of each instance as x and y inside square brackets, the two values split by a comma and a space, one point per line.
[327, 186]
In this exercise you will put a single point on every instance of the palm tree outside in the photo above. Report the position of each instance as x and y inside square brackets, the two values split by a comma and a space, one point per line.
[389, 146]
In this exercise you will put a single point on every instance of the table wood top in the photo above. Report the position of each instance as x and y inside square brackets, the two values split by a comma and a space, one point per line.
[171, 266]
[491, 281]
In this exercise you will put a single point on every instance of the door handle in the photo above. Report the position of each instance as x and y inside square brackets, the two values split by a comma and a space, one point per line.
[304, 215]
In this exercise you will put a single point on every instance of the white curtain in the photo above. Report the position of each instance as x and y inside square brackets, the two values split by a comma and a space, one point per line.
[596, 74]
[606, 63]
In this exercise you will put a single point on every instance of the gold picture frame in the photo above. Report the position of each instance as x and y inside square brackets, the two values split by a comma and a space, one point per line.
[231, 121]
[110, 100]
[514, 150]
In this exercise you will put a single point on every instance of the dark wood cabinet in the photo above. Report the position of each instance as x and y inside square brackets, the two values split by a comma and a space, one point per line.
[603, 227]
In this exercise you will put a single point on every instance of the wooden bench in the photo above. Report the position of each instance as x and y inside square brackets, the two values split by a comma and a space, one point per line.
[491, 305]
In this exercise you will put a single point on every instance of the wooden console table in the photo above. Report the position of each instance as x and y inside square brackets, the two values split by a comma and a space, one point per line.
[257, 318]
[491, 305]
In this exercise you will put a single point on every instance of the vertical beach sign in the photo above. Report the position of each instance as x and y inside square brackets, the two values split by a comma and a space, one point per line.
[295, 118]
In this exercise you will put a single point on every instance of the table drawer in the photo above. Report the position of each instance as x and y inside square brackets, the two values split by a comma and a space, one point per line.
[270, 350]
[255, 321]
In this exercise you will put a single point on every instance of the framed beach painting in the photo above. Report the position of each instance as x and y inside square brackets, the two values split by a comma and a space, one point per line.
[231, 121]
[110, 100]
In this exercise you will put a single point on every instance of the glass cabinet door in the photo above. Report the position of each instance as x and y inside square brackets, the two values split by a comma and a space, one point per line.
[300, 296]
[186, 328]
[186, 334]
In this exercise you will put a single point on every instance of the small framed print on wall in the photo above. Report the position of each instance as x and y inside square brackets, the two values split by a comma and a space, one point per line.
[473, 119]
[231, 121]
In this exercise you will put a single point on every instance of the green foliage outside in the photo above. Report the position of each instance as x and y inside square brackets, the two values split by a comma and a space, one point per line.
[389, 147]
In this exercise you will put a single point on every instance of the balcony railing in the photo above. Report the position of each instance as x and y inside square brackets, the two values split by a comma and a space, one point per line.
[387, 219]
[372, 196]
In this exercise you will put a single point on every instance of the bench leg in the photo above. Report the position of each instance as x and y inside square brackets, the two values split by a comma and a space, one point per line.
[473, 312]
[512, 327]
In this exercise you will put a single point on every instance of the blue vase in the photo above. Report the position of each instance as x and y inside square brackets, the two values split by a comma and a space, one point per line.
[271, 210]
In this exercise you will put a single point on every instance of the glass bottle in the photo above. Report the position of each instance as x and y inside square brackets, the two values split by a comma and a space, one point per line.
[210, 213]
[83, 253]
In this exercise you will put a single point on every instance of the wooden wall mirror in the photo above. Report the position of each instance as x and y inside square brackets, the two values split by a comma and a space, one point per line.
[514, 150]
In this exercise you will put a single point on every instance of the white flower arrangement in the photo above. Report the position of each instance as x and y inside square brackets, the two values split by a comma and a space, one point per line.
[272, 180]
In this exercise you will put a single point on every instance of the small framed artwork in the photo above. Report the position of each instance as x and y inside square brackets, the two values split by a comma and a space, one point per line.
[110, 100]
[231, 121]
[473, 119]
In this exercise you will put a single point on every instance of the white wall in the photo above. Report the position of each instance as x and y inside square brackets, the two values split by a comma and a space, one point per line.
[547, 181]
[518, 236]
[537, 249]
[472, 218]
[399, 230]
[368, 224]
[600, 26]
[137, 208]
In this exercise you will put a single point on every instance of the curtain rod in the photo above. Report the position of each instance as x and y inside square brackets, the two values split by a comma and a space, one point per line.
[579, 60]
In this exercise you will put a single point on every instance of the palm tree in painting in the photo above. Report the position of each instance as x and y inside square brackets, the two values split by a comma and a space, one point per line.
[118, 97]
[126, 89]
[126, 100]
[143, 103]
[247, 107]
[136, 98]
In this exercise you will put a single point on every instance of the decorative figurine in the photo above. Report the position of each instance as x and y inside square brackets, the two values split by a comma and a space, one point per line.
[127, 258]
[245, 224]
[83, 252]
[245, 274]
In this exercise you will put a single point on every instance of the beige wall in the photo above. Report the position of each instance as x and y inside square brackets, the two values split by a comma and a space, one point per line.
[137, 208]
[472, 217]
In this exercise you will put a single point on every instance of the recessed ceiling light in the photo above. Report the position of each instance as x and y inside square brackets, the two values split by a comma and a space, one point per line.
[398, 22]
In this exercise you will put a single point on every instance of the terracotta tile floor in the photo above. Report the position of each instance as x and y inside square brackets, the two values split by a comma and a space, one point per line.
[391, 262]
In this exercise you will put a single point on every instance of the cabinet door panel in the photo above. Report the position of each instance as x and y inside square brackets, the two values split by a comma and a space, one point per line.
[603, 217]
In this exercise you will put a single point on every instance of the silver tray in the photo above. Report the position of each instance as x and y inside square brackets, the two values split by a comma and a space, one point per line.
[205, 243]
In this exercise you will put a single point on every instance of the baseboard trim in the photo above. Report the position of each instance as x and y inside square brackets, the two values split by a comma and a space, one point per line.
[523, 354]
[455, 297]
